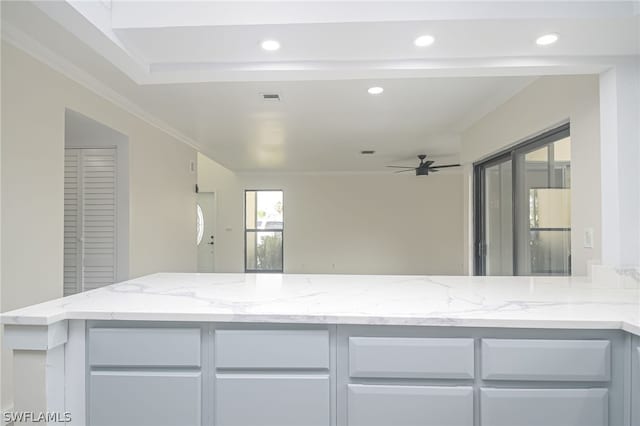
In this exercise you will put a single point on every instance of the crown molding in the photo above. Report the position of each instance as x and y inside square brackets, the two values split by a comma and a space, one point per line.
[33, 48]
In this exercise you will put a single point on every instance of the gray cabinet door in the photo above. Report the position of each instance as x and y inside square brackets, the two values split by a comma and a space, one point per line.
[408, 357]
[391, 405]
[278, 349]
[538, 359]
[635, 390]
[272, 400]
[548, 407]
[141, 398]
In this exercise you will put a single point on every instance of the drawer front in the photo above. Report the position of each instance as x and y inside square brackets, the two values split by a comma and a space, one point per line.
[272, 400]
[548, 407]
[154, 347]
[266, 349]
[125, 398]
[557, 360]
[387, 405]
[409, 358]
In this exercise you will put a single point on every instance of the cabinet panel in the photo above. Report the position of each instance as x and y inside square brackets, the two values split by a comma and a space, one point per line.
[548, 407]
[557, 360]
[390, 405]
[400, 357]
[150, 347]
[276, 348]
[272, 400]
[635, 387]
[125, 398]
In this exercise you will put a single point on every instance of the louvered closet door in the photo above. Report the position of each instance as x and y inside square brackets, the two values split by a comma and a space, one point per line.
[90, 219]
[72, 222]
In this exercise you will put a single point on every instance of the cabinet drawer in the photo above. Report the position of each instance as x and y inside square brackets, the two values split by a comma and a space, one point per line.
[399, 357]
[144, 347]
[144, 398]
[557, 360]
[548, 407]
[272, 400]
[386, 405]
[253, 349]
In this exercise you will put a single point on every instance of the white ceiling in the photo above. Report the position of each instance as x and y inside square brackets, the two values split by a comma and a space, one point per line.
[197, 69]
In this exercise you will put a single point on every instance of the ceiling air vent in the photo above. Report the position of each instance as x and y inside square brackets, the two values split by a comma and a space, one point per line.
[270, 97]
[367, 152]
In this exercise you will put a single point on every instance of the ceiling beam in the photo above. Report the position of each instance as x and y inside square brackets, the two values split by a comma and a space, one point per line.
[162, 14]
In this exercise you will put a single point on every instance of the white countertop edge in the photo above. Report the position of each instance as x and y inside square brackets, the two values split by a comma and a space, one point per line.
[333, 320]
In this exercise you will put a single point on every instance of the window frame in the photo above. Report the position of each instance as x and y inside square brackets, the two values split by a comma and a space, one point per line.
[479, 203]
[255, 230]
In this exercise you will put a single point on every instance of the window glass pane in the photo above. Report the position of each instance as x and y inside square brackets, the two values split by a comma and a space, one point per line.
[264, 251]
[269, 210]
[562, 164]
[543, 209]
[498, 214]
[250, 210]
[251, 251]
[264, 223]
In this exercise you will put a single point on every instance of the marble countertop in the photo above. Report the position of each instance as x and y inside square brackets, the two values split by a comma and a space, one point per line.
[521, 302]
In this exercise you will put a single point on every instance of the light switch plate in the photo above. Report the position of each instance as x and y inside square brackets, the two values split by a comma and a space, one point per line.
[588, 238]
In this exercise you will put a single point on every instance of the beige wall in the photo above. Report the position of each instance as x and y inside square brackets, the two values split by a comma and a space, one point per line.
[351, 223]
[162, 199]
[543, 104]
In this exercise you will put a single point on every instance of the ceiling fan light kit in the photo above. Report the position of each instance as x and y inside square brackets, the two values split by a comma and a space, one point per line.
[424, 168]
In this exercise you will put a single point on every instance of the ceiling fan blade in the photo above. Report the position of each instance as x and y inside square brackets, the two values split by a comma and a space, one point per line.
[444, 165]
[428, 163]
[408, 170]
[401, 167]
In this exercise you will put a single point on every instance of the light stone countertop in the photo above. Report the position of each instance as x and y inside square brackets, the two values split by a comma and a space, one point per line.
[460, 301]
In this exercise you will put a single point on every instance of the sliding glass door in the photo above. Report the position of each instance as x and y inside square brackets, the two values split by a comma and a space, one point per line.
[523, 209]
[495, 189]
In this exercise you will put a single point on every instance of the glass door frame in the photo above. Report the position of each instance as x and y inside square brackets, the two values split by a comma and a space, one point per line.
[479, 201]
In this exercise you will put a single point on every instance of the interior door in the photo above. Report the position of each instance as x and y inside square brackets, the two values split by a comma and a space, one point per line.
[206, 222]
[90, 218]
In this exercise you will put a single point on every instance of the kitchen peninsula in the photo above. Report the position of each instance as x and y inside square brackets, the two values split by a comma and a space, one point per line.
[357, 350]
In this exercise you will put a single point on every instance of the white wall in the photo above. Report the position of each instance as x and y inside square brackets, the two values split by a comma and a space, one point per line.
[540, 106]
[348, 223]
[162, 197]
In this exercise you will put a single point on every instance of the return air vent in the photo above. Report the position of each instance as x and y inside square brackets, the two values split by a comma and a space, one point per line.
[270, 97]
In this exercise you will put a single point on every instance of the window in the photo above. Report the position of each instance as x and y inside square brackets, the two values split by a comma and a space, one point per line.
[264, 224]
[523, 208]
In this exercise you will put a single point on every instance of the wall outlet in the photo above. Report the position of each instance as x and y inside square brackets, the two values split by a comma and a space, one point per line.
[588, 238]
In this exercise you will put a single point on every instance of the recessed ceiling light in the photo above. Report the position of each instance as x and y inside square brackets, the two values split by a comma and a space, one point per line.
[547, 39]
[424, 40]
[270, 45]
[375, 90]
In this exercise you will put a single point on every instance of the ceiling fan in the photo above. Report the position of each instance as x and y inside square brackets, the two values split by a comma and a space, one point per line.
[424, 167]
